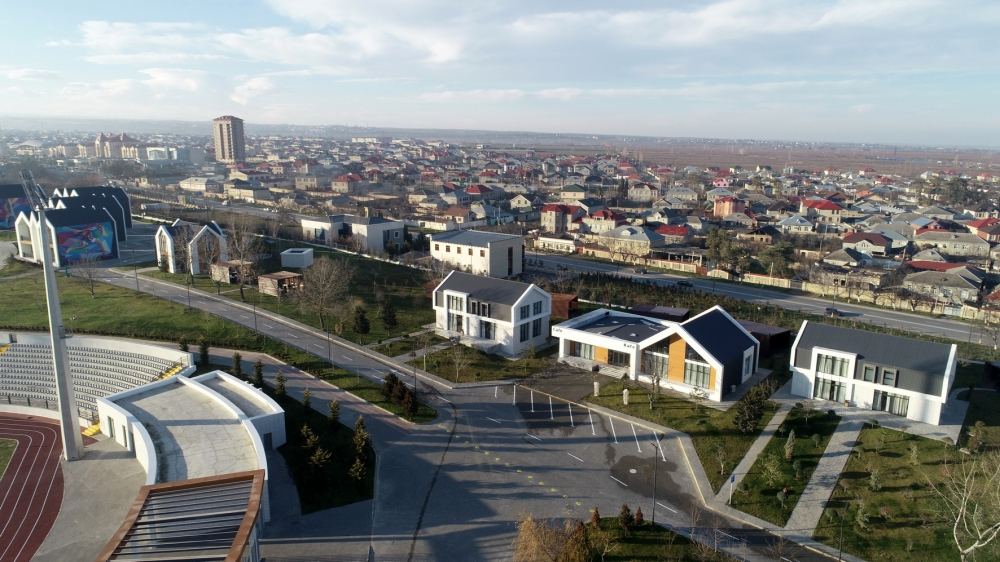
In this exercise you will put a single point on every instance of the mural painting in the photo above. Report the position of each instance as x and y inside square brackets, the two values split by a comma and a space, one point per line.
[86, 241]
[11, 208]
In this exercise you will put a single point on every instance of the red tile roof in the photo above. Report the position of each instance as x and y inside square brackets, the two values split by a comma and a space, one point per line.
[822, 205]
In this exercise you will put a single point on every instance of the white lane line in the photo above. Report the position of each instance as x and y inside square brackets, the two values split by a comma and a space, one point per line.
[268, 326]
[613, 434]
[657, 437]
[535, 437]
[346, 358]
[575, 457]
[293, 336]
[636, 439]
[667, 507]
[492, 420]
[619, 481]
[593, 431]
[318, 345]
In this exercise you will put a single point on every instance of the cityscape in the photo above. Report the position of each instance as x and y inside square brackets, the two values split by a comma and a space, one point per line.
[635, 317]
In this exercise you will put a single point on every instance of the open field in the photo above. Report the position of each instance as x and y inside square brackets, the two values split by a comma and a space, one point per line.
[7, 447]
[407, 345]
[711, 430]
[474, 365]
[758, 497]
[654, 543]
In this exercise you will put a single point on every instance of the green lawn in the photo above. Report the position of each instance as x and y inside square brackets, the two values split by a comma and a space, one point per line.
[759, 498]
[15, 267]
[7, 236]
[406, 345]
[654, 543]
[123, 312]
[7, 447]
[905, 521]
[479, 366]
[984, 407]
[711, 430]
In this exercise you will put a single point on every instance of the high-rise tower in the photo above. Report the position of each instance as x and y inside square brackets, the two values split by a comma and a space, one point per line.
[230, 146]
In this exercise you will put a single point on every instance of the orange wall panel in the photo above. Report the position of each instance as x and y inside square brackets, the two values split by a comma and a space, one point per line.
[676, 347]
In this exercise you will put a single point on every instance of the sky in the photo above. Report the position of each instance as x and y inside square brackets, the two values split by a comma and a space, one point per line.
[894, 71]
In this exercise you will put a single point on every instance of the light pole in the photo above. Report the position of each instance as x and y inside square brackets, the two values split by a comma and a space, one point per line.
[656, 460]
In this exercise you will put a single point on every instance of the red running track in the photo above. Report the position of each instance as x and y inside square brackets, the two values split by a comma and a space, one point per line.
[31, 489]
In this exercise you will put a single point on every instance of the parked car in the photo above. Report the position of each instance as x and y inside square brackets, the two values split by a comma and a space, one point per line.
[640, 270]
[684, 283]
[833, 312]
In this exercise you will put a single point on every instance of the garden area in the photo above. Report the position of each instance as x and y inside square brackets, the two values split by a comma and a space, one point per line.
[459, 364]
[721, 438]
[7, 447]
[883, 504]
[408, 345]
[772, 487]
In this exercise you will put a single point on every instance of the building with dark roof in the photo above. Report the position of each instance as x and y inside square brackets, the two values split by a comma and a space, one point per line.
[710, 353]
[78, 234]
[366, 233]
[13, 202]
[483, 253]
[903, 376]
[494, 315]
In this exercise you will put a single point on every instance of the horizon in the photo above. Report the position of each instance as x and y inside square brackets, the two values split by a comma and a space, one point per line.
[887, 72]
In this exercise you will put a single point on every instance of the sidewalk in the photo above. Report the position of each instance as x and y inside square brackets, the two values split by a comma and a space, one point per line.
[754, 451]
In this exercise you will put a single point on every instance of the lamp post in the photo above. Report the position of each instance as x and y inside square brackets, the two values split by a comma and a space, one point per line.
[656, 460]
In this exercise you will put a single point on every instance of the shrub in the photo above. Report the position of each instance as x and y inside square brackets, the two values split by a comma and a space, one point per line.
[258, 374]
[237, 365]
[183, 343]
[334, 415]
[639, 518]
[279, 384]
[203, 353]
[306, 399]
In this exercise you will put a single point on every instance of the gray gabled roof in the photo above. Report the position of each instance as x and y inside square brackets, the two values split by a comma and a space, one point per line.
[471, 237]
[484, 289]
[719, 334]
[922, 364]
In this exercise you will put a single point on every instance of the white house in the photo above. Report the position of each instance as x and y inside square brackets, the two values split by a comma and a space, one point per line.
[367, 233]
[202, 246]
[902, 376]
[494, 315]
[482, 253]
[710, 353]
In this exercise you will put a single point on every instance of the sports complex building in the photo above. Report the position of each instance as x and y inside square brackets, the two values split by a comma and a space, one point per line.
[200, 442]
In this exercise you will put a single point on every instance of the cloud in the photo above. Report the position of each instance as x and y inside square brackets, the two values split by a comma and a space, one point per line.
[251, 88]
[27, 74]
[560, 93]
[861, 108]
[473, 95]
[173, 79]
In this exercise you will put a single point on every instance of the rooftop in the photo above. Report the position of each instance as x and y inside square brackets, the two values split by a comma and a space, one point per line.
[624, 327]
[486, 289]
[472, 237]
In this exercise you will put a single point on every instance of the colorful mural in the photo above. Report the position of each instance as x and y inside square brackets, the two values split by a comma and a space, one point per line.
[85, 241]
[10, 208]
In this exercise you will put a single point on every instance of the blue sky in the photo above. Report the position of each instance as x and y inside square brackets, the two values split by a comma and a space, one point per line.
[898, 71]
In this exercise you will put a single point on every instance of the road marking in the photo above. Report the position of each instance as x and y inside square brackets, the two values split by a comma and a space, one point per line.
[293, 336]
[318, 345]
[593, 431]
[667, 507]
[535, 437]
[613, 434]
[570, 407]
[346, 358]
[492, 420]
[619, 481]
[657, 437]
[636, 439]
[575, 457]
[268, 326]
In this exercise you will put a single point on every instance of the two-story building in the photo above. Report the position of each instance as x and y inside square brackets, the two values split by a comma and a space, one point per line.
[493, 315]
[482, 253]
[709, 354]
[903, 376]
[365, 232]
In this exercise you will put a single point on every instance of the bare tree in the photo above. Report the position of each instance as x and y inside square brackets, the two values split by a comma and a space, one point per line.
[244, 250]
[182, 251]
[970, 494]
[325, 286]
[87, 268]
[460, 359]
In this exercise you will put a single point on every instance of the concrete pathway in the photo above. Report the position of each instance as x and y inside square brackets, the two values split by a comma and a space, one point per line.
[422, 352]
[754, 451]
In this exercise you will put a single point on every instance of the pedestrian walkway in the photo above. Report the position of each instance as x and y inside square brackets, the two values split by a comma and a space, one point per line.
[417, 353]
[754, 451]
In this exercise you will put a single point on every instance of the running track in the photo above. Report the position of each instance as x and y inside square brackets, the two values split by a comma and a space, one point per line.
[32, 487]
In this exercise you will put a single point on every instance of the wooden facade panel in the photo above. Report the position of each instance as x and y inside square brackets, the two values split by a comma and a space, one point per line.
[601, 354]
[675, 367]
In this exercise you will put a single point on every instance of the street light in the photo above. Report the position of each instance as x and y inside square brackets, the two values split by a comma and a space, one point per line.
[656, 460]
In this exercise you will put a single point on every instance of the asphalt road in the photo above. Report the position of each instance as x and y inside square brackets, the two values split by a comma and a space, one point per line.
[952, 329]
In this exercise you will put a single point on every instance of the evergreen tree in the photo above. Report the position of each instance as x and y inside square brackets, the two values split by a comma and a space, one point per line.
[361, 323]
[237, 365]
[409, 403]
[334, 415]
[279, 387]
[389, 315]
[203, 355]
[258, 374]
[306, 399]
[183, 343]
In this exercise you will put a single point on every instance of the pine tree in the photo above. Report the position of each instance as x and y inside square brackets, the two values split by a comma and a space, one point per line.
[306, 399]
[203, 356]
[595, 518]
[183, 343]
[639, 518]
[279, 387]
[334, 415]
[237, 365]
[409, 403]
[389, 315]
[358, 470]
[361, 323]
[625, 519]
[361, 438]
[258, 374]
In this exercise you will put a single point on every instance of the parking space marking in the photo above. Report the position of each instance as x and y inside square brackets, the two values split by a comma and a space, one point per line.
[268, 326]
[613, 434]
[593, 430]
[575, 457]
[535, 437]
[619, 481]
[667, 507]
[492, 420]
[636, 439]
[657, 437]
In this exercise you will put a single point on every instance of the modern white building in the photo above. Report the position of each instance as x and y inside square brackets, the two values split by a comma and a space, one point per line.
[709, 354]
[494, 315]
[902, 376]
[483, 253]
[199, 246]
[299, 258]
[366, 233]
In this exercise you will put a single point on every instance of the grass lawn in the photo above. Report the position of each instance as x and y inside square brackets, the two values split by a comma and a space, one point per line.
[652, 542]
[904, 515]
[755, 496]
[710, 429]
[401, 284]
[7, 236]
[407, 345]
[122, 312]
[968, 374]
[984, 407]
[482, 366]
[7, 447]
[15, 267]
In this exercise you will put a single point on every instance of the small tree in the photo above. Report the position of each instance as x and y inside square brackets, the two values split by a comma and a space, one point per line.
[639, 518]
[204, 358]
[721, 453]
[460, 359]
[970, 494]
[790, 445]
[409, 403]
[309, 438]
[237, 365]
[183, 344]
[361, 439]
[361, 323]
[359, 470]
[874, 478]
[389, 384]
[914, 454]
[279, 386]
[595, 518]
[771, 470]
[782, 495]
[625, 519]
[319, 459]
[797, 467]
[861, 515]
[389, 315]
[258, 374]
[306, 399]
[334, 415]
[807, 411]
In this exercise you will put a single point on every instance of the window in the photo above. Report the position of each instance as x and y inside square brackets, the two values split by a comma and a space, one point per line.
[618, 358]
[486, 330]
[696, 374]
[437, 247]
[482, 253]
[470, 251]
[869, 373]
[748, 364]
[831, 365]
[889, 377]
[454, 303]
[829, 390]
[537, 308]
[582, 350]
[525, 311]
[447, 249]
[892, 403]
[525, 331]
[536, 327]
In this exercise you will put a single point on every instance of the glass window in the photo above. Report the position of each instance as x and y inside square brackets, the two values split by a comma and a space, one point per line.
[525, 311]
[470, 251]
[525, 331]
[869, 373]
[831, 365]
[696, 374]
[537, 308]
[437, 246]
[447, 249]
[482, 253]
[748, 364]
[892, 403]
[618, 358]
[536, 327]
[829, 390]
[889, 377]
[454, 303]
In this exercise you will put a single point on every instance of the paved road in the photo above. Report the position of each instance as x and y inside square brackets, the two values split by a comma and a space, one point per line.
[459, 484]
[952, 329]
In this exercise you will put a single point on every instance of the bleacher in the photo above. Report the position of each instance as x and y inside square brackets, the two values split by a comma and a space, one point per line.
[26, 376]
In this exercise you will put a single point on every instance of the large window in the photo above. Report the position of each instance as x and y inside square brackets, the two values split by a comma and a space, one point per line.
[454, 303]
[536, 308]
[536, 327]
[582, 350]
[525, 331]
[618, 358]
[524, 312]
[888, 377]
[829, 390]
[696, 374]
[486, 330]
[831, 365]
[892, 403]
[869, 373]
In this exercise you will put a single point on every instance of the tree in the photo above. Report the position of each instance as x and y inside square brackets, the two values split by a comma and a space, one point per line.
[244, 248]
[361, 323]
[750, 408]
[639, 517]
[88, 270]
[541, 541]
[319, 459]
[324, 287]
[389, 315]
[279, 386]
[309, 438]
[595, 518]
[203, 352]
[258, 374]
[625, 519]
[361, 439]
[970, 494]
[389, 384]
[183, 344]
[777, 258]
[771, 470]
[334, 415]
[237, 365]
[358, 470]
[409, 403]
[306, 399]
[460, 359]
[790, 445]
[721, 453]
